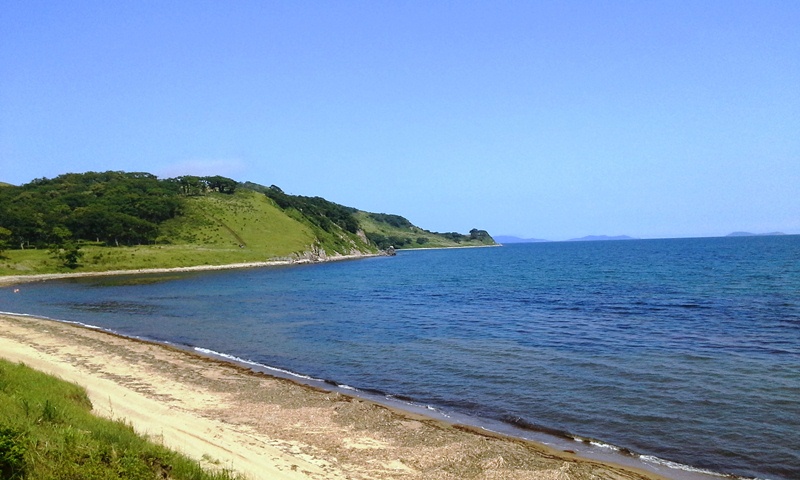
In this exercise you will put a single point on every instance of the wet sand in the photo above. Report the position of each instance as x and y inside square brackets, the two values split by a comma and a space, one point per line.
[272, 428]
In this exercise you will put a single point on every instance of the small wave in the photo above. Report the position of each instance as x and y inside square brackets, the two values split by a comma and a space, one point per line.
[595, 443]
[88, 325]
[652, 459]
[336, 384]
[207, 351]
[15, 314]
[71, 322]
[367, 392]
[438, 412]
[686, 468]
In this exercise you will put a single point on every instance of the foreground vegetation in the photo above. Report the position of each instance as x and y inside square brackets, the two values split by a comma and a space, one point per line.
[118, 220]
[48, 432]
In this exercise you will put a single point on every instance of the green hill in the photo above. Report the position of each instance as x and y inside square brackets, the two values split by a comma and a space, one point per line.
[386, 230]
[118, 220]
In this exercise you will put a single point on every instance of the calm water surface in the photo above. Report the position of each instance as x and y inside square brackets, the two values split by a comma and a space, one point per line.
[686, 350]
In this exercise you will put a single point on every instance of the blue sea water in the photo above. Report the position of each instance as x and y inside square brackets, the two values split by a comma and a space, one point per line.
[684, 350]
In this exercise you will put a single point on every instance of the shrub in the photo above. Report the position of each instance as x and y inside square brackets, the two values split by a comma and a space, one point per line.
[12, 453]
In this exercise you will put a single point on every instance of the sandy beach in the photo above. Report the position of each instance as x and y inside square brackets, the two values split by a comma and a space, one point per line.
[272, 428]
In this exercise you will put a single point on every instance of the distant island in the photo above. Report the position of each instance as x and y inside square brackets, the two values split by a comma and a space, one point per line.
[502, 239]
[748, 234]
[601, 238]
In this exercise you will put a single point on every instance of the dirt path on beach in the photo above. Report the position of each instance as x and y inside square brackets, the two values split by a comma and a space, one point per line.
[271, 428]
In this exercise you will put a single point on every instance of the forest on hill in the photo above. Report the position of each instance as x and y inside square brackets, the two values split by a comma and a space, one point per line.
[69, 214]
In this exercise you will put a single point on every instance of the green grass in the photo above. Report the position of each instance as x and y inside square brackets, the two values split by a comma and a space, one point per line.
[216, 229]
[100, 259]
[246, 218]
[48, 432]
[220, 229]
[24, 262]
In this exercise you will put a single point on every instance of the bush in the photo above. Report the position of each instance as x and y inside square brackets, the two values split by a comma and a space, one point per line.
[12, 453]
[48, 432]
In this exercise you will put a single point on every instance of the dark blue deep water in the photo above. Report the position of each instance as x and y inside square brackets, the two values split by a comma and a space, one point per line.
[687, 349]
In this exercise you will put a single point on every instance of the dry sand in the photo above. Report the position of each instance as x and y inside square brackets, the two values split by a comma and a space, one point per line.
[272, 428]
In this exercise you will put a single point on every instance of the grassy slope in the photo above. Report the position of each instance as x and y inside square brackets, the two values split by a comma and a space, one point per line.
[434, 241]
[249, 221]
[209, 233]
[246, 218]
[48, 432]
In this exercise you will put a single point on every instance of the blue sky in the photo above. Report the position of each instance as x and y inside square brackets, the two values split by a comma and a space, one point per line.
[537, 119]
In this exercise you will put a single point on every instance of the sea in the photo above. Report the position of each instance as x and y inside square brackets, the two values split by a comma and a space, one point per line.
[680, 356]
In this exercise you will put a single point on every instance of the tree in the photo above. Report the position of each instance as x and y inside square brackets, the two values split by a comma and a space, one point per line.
[318, 211]
[112, 206]
[5, 237]
[64, 248]
[221, 184]
[476, 234]
[394, 220]
[189, 185]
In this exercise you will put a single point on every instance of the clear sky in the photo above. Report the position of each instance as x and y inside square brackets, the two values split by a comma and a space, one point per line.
[546, 119]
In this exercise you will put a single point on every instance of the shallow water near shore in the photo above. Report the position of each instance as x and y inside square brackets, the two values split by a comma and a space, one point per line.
[686, 350]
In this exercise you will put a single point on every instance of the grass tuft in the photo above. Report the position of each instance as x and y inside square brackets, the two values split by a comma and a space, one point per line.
[47, 431]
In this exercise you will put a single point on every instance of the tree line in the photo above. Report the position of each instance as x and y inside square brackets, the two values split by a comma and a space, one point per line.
[320, 212]
[109, 207]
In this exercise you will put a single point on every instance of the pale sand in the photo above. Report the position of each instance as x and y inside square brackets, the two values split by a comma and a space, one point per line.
[271, 428]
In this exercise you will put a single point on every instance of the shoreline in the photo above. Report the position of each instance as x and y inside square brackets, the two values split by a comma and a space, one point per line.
[8, 280]
[304, 431]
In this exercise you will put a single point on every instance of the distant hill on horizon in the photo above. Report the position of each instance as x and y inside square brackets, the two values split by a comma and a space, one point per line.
[749, 234]
[513, 239]
[601, 238]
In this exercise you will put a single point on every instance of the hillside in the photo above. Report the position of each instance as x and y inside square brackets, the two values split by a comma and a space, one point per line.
[387, 230]
[250, 221]
[117, 220]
